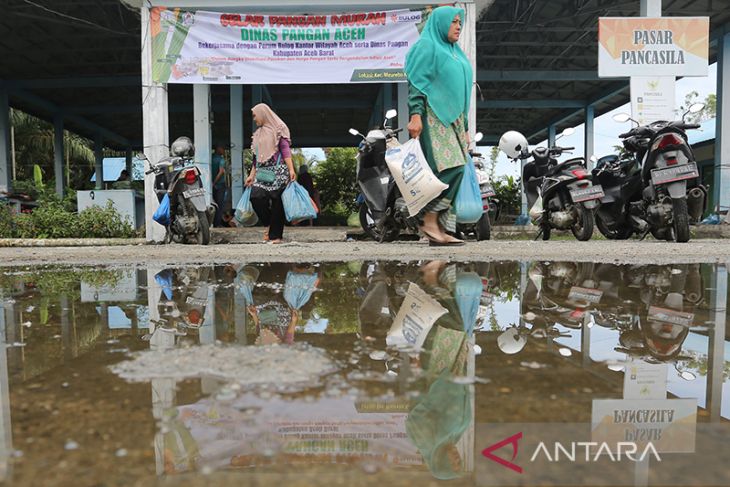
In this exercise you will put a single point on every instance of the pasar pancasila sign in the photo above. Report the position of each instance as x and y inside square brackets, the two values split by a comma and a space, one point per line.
[228, 48]
[665, 46]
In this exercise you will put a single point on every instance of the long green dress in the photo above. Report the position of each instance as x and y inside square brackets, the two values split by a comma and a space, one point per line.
[445, 149]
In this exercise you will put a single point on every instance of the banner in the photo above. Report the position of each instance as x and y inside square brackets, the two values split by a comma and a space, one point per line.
[652, 98]
[225, 48]
[665, 46]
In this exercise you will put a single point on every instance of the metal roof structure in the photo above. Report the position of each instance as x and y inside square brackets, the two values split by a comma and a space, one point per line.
[537, 67]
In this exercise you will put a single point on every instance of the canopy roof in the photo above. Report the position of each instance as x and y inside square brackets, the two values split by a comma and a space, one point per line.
[537, 63]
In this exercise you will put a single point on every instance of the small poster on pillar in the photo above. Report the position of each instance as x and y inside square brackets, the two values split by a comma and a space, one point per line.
[229, 48]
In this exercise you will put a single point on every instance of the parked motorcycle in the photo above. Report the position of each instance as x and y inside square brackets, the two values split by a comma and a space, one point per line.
[560, 195]
[671, 194]
[383, 211]
[176, 176]
[482, 229]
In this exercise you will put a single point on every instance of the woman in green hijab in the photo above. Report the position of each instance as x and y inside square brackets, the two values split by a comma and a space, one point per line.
[440, 84]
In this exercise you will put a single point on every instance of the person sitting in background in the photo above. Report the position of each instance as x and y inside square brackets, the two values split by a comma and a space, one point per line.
[122, 181]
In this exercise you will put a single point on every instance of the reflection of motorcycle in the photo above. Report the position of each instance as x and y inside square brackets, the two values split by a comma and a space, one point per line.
[186, 297]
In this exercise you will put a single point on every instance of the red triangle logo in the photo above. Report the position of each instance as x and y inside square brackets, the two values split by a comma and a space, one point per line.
[512, 440]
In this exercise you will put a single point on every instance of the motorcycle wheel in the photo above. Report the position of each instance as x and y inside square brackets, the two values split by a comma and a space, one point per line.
[202, 237]
[546, 232]
[484, 228]
[680, 215]
[583, 228]
[621, 233]
[371, 229]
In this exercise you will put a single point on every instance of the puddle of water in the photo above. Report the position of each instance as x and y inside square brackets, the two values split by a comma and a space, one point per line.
[364, 372]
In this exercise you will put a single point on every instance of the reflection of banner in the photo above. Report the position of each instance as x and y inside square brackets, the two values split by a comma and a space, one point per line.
[669, 424]
[214, 47]
[666, 46]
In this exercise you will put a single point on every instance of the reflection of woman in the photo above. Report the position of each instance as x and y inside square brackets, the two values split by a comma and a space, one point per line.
[272, 170]
[442, 415]
[440, 82]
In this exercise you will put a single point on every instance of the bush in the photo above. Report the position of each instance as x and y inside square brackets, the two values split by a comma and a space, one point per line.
[98, 222]
[52, 220]
[6, 221]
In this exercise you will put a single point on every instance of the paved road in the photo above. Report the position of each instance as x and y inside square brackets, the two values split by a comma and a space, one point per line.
[648, 252]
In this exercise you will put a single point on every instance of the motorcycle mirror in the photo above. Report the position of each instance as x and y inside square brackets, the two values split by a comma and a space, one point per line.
[392, 113]
[141, 156]
[568, 132]
[354, 132]
[621, 117]
[687, 375]
[696, 107]
[478, 137]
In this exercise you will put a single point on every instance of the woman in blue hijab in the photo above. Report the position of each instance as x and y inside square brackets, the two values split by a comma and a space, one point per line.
[440, 84]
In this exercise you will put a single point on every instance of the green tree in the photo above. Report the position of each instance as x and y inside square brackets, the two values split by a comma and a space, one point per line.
[335, 179]
[493, 155]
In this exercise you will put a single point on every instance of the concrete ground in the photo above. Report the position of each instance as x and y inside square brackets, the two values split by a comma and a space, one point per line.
[326, 247]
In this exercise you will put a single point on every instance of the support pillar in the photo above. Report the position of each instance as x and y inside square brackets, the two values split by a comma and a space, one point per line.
[238, 171]
[5, 157]
[552, 133]
[257, 96]
[387, 99]
[155, 129]
[128, 157]
[99, 161]
[403, 115]
[58, 154]
[6, 430]
[650, 8]
[716, 348]
[721, 183]
[588, 142]
[202, 136]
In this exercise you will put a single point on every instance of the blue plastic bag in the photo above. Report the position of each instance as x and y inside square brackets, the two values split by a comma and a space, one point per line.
[468, 203]
[468, 295]
[162, 215]
[164, 280]
[297, 203]
[298, 288]
[245, 214]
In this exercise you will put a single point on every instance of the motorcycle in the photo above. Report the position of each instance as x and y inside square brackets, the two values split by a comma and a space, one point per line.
[383, 212]
[671, 194]
[561, 195]
[176, 176]
[482, 229]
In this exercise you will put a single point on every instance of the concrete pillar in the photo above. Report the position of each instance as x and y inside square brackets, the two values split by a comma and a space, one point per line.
[551, 135]
[155, 129]
[128, 157]
[257, 96]
[721, 186]
[387, 99]
[650, 8]
[58, 154]
[403, 115]
[5, 156]
[99, 161]
[6, 431]
[716, 351]
[468, 43]
[202, 136]
[588, 136]
[238, 171]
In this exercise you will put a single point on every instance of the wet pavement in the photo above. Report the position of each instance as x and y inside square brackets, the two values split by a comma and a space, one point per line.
[501, 373]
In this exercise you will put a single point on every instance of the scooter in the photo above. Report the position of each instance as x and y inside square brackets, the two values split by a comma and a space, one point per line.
[560, 195]
[190, 217]
[383, 211]
[671, 193]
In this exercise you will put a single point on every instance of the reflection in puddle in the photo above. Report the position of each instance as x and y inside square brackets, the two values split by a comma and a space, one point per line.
[362, 368]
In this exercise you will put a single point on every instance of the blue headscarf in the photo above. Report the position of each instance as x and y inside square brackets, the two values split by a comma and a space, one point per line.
[440, 69]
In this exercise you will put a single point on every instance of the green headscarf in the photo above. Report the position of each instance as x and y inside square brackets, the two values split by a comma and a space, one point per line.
[440, 69]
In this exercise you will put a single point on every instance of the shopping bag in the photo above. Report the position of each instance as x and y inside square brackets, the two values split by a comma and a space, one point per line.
[162, 215]
[468, 293]
[297, 203]
[298, 288]
[245, 214]
[468, 204]
[536, 211]
[415, 179]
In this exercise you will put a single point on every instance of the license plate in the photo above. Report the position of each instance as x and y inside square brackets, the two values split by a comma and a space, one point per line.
[193, 192]
[585, 294]
[487, 190]
[196, 301]
[676, 173]
[671, 316]
[587, 194]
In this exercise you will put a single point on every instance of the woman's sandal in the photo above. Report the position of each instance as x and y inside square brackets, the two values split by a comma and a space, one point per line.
[266, 235]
